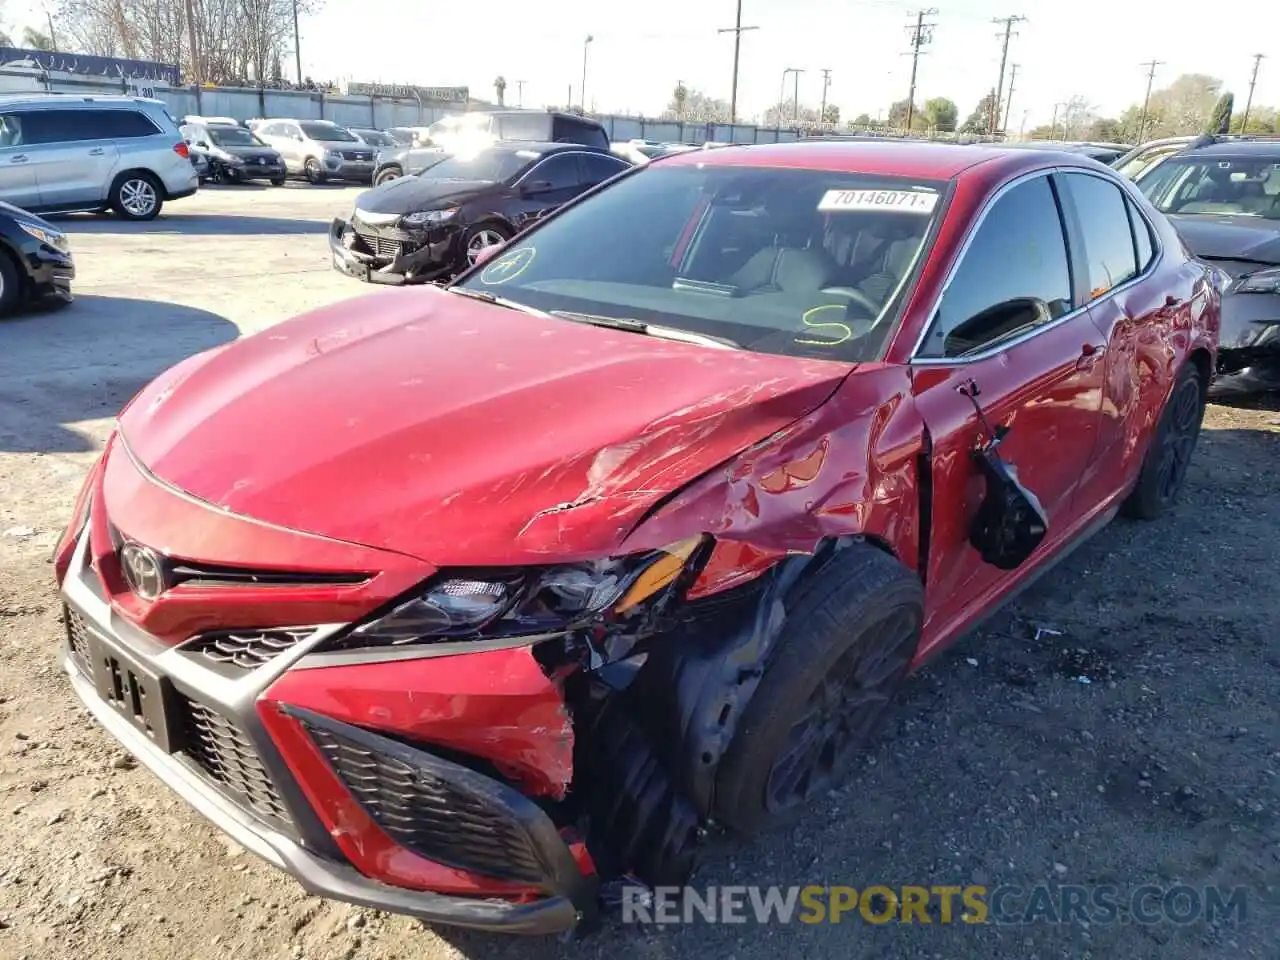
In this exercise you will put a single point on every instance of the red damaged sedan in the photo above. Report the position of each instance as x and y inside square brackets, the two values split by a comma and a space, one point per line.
[467, 602]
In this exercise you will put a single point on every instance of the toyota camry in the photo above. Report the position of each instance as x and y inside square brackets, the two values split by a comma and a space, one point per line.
[468, 602]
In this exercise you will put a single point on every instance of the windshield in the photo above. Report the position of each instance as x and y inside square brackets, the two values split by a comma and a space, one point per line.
[492, 165]
[234, 137]
[329, 132]
[798, 262]
[374, 138]
[1145, 160]
[466, 123]
[1239, 186]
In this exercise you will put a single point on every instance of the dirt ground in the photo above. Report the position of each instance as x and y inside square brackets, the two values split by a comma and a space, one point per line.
[1001, 766]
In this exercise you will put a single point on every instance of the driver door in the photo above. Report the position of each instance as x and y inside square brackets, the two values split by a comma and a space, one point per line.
[1039, 374]
[547, 185]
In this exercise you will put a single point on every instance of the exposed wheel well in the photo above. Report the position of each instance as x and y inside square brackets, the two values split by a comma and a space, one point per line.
[124, 175]
[15, 260]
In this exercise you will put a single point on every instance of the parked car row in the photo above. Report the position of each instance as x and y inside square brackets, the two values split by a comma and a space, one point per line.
[628, 534]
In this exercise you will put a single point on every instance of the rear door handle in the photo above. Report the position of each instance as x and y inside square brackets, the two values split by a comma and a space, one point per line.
[1090, 354]
[96, 152]
[20, 158]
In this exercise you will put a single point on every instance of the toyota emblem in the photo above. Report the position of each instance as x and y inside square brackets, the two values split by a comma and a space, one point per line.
[142, 570]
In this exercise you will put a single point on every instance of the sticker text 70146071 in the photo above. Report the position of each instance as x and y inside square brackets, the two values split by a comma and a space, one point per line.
[902, 201]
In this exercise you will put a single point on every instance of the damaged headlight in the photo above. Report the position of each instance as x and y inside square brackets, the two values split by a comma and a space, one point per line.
[425, 218]
[1262, 281]
[499, 603]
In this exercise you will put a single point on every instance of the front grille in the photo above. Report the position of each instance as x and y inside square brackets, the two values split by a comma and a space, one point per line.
[222, 751]
[248, 649]
[356, 155]
[76, 638]
[381, 246]
[443, 811]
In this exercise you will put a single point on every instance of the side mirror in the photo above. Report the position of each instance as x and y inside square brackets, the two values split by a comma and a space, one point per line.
[202, 145]
[536, 187]
[487, 254]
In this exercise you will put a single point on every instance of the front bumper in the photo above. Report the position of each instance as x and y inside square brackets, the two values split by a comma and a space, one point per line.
[51, 273]
[388, 256]
[255, 171]
[360, 170]
[1249, 350]
[204, 730]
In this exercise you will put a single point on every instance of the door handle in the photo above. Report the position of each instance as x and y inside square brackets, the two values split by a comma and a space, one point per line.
[96, 152]
[1090, 354]
[20, 158]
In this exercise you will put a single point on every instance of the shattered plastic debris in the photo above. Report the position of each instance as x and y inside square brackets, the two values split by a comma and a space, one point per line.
[1046, 630]
[1083, 679]
[19, 532]
[971, 661]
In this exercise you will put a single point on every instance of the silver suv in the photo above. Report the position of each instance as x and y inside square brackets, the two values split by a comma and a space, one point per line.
[319, 150]
[60, 153]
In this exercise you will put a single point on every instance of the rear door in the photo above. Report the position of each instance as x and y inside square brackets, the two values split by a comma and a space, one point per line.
[17, 172]
[1012, 321]
[75, 155]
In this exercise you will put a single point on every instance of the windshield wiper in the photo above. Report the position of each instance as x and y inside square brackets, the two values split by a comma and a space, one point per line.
[649, 329]
[495, 300]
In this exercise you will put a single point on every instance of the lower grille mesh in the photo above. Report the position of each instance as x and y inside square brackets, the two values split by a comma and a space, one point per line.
[248, 649]
[76, 636]
[223, 752]
[382, 246]
[441, 820]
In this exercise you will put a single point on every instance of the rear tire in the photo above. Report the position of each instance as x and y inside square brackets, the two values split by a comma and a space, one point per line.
[852, 630]
[1164, 468]
[313, 171]
[137, 196]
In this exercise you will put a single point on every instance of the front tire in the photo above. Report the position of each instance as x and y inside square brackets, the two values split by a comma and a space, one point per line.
[137, 196]
[387, 175]
[1164, 468]
[10, 286]
[277, 181]
[852, 630]
[481, 236]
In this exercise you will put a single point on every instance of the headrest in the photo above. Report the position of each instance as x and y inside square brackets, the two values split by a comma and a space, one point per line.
[802, 271]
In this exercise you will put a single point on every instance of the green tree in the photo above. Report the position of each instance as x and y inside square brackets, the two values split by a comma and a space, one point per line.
[1262, 120]
[941, 114]
[693, 106]
[35, 40]
[500, 88]
[979, 121]
[679, 98]
[1105, 130]
[863, 120]
[1220, 117]
[898, 116]
[832, 114]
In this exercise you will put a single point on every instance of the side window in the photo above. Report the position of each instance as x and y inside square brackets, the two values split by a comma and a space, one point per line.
[11, 130]
[565, 130]
[1106, 231]
[1014, 275]
[532, 127]
[597, 169]
[122, 125]
[560, 171]
[59, 126]
[1141, 236]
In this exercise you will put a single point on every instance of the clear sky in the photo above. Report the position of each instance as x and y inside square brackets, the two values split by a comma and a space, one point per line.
[1092, 48]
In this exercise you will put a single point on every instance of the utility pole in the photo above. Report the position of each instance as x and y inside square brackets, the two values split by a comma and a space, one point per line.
[582, 91]
[737, 30]
[1253, 80]
[795, 103]
[919, 33]
[1007, 34]
[1146, 100]
[519, 93]
[826, 83]
[297, 42]
[1008, 100]
[53, 37]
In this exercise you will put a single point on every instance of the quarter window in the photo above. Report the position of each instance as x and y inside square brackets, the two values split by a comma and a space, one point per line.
[121, 125]
[1141, 236]
[597, 169]
[1105, 229]
[1013, 278]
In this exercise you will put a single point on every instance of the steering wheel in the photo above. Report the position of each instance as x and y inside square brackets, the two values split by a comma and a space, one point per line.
[857, 296]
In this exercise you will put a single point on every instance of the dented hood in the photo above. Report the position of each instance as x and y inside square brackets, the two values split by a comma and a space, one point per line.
[456, 431]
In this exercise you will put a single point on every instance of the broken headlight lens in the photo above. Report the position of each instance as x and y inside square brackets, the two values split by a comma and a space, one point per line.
[513, 603]
[1262, 281]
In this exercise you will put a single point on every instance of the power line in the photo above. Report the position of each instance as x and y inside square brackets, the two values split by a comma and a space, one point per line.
[919, 33]
[1253, 81]
[1146, 100]
[1008, 100]
[737, 30]
[1008, 34]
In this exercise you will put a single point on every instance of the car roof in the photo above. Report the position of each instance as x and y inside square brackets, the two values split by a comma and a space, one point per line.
[542, 146]
[1237, 148]
[933, 161]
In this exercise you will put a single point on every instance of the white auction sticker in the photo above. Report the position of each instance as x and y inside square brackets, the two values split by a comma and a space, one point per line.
[906, 201]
